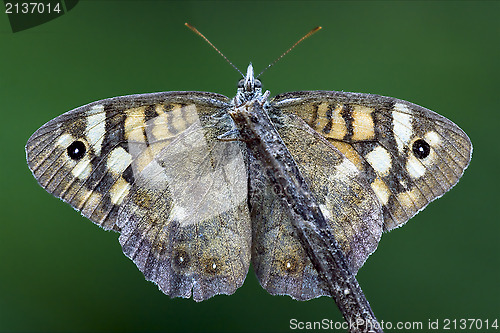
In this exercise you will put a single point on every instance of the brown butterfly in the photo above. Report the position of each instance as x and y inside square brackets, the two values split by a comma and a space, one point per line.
[194, 203]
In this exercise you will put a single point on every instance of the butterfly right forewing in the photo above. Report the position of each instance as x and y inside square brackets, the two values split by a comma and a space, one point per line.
[409, 155]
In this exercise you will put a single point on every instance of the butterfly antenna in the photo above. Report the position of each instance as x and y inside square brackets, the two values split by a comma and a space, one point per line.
[309, 34]
[212, 45]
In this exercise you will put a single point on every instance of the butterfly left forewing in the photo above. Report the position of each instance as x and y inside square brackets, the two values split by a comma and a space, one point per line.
[408, 154]
[110, 134]
[151, 167]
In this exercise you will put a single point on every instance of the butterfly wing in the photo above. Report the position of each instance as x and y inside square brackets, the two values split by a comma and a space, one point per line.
[343, 195]
[150, 167]
[409, 155]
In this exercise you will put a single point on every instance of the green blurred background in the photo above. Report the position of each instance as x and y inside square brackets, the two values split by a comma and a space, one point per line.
[61, 273]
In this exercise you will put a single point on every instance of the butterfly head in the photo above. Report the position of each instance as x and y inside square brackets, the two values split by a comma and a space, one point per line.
[248, 88]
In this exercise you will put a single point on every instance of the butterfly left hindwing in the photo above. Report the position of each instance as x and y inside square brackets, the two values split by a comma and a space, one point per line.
[150, 167]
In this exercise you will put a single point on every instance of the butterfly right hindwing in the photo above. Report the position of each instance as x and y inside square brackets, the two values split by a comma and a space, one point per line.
[348, 205]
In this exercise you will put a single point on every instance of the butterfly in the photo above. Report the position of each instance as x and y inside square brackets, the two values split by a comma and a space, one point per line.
[194, 203]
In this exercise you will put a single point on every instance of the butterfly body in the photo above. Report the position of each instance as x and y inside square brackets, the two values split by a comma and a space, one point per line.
[193, 209]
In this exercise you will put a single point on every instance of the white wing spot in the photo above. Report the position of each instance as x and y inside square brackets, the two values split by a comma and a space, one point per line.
[381, 190]
[82, 169]
[118, 160]
[432, 138]
[380, 160]
[402, 127]
[96, 127]
[415, 168]
[65, 140]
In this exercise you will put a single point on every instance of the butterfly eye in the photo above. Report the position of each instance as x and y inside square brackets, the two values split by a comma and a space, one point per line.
[241, 83]
[76, 150]
[258, 84]
[421, 149]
